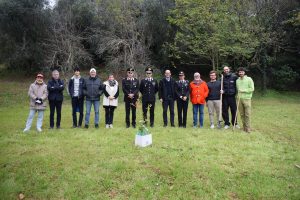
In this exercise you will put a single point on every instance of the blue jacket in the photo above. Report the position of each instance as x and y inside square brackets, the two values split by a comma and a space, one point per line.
[71, 87]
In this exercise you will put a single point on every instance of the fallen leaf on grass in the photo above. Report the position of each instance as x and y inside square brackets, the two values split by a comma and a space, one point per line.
[21, 196]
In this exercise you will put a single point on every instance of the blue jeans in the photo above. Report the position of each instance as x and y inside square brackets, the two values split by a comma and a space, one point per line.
[39, 121]
[200, 108]
[88, 111]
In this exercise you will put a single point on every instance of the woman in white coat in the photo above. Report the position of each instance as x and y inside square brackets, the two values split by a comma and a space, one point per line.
[110, 99]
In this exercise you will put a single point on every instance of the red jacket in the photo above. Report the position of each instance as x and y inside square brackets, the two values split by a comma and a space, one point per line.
[198, 92]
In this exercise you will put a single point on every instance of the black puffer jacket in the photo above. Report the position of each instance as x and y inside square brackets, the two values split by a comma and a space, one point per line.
[229, 84]
[92, 89]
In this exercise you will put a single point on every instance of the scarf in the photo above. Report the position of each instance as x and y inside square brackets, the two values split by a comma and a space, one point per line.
[112, 83]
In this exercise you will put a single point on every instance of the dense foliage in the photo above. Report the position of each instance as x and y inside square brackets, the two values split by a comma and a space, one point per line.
[262, 35]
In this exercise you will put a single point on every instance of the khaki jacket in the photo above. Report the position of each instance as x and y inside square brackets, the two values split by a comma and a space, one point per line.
[38, 91]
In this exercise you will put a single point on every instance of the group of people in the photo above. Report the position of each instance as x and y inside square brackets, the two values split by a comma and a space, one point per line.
[218, 95]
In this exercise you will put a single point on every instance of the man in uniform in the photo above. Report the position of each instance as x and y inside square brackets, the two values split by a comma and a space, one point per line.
[148, 88]
[130, 86]
[182, 92]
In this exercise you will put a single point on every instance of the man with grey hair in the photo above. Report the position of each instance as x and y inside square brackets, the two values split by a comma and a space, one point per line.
[92, 90]
[166, 95]
[55, 88]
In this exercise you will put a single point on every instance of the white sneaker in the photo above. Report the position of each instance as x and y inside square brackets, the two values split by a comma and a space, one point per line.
[110, 126]
[39, 129]
[107, 126]
[212, 126]
[25, 130]
[226, 127]
[237, 126]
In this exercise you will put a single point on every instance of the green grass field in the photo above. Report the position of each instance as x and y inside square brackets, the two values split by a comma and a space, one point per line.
[181, 164]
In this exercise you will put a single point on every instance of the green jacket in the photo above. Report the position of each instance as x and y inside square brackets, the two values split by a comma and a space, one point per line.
[245, 87]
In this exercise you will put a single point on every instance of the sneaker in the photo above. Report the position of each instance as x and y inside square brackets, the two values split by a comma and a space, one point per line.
[74, 126]
[111, 126]
[39, 129]
[25, 130]
[219, 126]
[86, 126]
[194, 126]
[226, 127]
[107, 126]
[212, 126]
[237, 126]
[133, 125]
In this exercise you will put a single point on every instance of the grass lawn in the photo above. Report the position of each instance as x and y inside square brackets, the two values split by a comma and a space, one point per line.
[181, 164]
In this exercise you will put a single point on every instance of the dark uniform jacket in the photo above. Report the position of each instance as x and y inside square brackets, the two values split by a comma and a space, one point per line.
[55, 90]
[182, 89]
[163, 90]
[93, 88]
[130, 87]
[148, 89]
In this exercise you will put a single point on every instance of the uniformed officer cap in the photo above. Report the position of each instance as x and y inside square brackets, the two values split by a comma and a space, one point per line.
[148, 69]
[130, 69]
[181, 73]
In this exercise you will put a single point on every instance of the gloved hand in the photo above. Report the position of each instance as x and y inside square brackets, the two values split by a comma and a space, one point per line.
[38, 101]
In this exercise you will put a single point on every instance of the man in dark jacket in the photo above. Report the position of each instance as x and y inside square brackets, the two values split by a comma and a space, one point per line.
[130, 86]
[182, 92]
[148, 88]
[213, 98]
[229, 92]
[76, 92]
[55, 88]
[92, 90]
[166, 95]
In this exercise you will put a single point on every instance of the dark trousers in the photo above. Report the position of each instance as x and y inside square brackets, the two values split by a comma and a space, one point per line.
[55, 105]
[228, 102]
[129, 105]
[151, 105]
[182, 108]
[166, 104]
[77, 106]
[109, 114]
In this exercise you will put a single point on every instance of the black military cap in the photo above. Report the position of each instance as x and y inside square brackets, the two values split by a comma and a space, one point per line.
[148, 69]
[181, 73]
[130, 69]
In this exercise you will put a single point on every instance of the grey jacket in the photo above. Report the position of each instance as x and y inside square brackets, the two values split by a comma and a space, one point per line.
[38, 91]
[92, 89]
